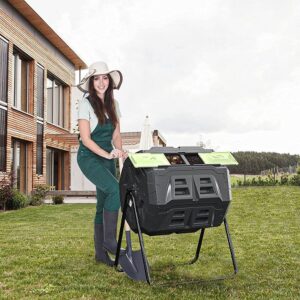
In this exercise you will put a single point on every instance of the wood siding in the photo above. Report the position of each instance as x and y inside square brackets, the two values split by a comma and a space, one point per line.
[22, 125]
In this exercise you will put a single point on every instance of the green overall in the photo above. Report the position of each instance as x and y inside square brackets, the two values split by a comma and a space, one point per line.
[101, 171]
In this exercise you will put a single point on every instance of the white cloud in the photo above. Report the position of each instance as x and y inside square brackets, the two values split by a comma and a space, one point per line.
[228, 70]
[198, 81]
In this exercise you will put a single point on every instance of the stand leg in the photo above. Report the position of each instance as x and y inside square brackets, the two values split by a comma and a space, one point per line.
[147, 273]
[121, 231]
[230, 247]
[198, 247]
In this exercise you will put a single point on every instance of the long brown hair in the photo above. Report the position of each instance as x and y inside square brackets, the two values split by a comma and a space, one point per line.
[109, 103]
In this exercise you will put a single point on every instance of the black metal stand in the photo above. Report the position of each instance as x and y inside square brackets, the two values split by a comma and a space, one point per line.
[229, 244]
[130, 201]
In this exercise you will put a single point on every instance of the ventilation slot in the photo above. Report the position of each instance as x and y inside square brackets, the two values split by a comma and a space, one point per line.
[203, 212]
[177, 218]
[201, 220]
[180, 181]
[202, 216]
[206, 190]
[177, 222]
[205, 180]
[181, 191]
[179, 214]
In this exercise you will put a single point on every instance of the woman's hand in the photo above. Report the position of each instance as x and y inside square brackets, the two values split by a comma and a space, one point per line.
[124, 154]
[116, 153]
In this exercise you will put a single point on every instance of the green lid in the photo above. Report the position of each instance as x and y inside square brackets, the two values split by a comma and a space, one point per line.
[218, 158]
[148, 160]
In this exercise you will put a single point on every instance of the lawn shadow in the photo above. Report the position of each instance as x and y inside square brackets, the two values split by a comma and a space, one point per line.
[168, 273]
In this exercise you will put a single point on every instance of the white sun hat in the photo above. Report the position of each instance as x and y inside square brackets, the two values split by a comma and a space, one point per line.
[100, 68]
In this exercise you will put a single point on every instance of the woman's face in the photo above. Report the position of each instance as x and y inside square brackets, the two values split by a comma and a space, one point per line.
[101, 83]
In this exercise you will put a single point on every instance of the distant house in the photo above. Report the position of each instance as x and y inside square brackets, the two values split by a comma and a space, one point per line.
[36, 73]
[131, 140]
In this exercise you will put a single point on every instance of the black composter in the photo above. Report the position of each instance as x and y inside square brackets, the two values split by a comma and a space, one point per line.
[182, 197]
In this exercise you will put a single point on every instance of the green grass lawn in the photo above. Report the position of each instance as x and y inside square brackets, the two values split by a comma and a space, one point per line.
[47, 252]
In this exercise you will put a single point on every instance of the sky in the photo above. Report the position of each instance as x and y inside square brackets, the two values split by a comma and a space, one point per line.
[224, 73]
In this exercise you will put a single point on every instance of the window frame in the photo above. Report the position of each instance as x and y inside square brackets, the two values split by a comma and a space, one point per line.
[17, 102]
[42, 100]
[3, 164]
[39, 147]
[60, 101]
[5, 100]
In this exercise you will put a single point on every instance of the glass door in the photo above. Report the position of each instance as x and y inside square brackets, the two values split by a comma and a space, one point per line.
[19, 165]
[55, 168]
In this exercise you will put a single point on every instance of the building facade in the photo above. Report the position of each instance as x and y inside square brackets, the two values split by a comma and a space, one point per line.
[36, 73]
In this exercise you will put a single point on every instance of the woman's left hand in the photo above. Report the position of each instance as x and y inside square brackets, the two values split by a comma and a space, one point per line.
[124, 154]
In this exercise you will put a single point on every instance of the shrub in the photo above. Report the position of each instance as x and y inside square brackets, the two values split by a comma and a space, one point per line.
[35, 200]
[295, 180]
[41, 190]
[58, 199]
[6, 190]
[239, 182]
[260, 181]
[39, 194]
[270, 180]
[284, 179]
[17, 201]
[253, 181]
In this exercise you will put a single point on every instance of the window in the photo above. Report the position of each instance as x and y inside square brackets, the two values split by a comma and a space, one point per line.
[3, 136]
[40, 92]
[55, 102]
[3, 102]
[3, 69]
[21, 81]
[39, 149]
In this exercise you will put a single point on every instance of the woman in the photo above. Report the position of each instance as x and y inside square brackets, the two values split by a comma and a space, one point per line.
[99, 128]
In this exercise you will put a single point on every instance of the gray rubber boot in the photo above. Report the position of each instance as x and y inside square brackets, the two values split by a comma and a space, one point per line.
[110, 220]
[101, 255]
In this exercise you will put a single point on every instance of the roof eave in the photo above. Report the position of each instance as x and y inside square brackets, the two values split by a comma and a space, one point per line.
[37, 22]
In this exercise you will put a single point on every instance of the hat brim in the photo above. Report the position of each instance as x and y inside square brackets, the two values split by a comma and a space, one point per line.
[116, 76]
